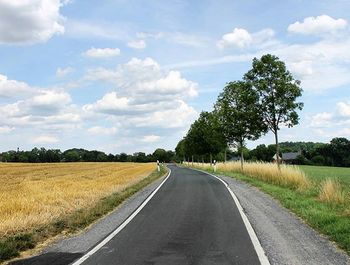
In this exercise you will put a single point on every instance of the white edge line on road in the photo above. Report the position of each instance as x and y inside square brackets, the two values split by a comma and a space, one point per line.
[253, 237]
[119, 228]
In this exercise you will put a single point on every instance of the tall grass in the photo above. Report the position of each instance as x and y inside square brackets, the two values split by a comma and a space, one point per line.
[287, 176]
[331, 192]
[32, 195]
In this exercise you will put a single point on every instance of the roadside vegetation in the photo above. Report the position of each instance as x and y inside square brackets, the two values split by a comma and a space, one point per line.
[266, 99]
[39, 201]
[321, 199]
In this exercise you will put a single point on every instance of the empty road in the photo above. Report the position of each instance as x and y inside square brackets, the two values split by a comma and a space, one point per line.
[192, 219]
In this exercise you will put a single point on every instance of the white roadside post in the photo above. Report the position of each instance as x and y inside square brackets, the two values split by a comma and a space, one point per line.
[214, 165]
[158, 165]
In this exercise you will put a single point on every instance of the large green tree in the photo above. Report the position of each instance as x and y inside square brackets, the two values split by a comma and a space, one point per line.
[238, 112]
[205, 136]
[278, 93]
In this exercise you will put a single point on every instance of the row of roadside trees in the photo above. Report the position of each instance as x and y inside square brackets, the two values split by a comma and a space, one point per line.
[264, 100]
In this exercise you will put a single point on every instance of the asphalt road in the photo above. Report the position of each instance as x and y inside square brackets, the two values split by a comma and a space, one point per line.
[192, 219]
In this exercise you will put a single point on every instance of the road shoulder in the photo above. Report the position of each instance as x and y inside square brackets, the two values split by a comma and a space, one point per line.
[285, 238]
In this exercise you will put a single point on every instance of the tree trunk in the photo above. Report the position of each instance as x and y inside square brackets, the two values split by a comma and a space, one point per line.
[225, 155]
[211, 160]
[277, 150]
[242, 156]
[202, 160]
[192, 160]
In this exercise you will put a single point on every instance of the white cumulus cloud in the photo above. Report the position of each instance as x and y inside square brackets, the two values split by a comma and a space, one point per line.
[144, 96]
[241, 38]
[344, 109]
[24, 21]
[323, 119]
[150, 138]
[13, 88]
[238, 37]
[98, 130]
[317, 25]
[102, 52]
[45, 139]
[137, 44]
[62, 72]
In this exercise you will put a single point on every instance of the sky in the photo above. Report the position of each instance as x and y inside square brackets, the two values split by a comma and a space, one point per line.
[129, 76]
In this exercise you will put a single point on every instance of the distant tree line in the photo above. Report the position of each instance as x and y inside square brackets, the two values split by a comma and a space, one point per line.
[336, 153]
[262, 101]
[43, 155]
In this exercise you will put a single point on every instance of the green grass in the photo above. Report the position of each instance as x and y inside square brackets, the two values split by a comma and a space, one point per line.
[11, 247]
[319, 173]
[332, 220]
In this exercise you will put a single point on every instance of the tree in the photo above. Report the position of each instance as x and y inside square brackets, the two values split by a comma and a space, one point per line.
[205, 136]
[278, 92]
[180, 150]
[160, 155]
[71, 156]
[239, 116]
[340, 151]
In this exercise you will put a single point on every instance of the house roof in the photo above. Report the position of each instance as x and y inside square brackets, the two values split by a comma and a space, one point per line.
[275, 157]
[290, 156]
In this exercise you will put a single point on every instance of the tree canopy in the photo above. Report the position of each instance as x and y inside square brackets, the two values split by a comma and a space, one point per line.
[278, 92]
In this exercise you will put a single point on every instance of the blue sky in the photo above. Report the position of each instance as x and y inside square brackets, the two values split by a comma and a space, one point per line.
[126, 76]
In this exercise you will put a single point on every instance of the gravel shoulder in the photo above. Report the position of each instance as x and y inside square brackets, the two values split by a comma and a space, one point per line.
[285, 238]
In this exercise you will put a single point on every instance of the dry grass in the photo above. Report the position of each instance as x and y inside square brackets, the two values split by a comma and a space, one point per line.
[37, 194]
[331, 192]
[288, 176]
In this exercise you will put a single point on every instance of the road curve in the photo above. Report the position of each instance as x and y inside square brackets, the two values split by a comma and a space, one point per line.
[192, 219]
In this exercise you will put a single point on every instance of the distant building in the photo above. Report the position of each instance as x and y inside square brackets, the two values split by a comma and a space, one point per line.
[234, 158]
[288, 158]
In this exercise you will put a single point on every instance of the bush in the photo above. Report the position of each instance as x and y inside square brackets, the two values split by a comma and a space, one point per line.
[318, 160]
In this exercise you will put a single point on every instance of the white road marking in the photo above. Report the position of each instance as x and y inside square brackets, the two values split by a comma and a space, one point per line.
[117, 230]
[256, 243]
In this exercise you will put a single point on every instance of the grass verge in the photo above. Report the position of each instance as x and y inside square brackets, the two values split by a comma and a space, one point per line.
[11, 246]
[330, 219]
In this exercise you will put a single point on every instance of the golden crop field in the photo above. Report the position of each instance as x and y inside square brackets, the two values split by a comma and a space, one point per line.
[36, 194]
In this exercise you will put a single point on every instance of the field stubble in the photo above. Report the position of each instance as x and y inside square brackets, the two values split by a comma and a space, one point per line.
[36, 194]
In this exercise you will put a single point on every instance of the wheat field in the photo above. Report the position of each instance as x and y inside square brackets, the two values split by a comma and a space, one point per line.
[36, 194]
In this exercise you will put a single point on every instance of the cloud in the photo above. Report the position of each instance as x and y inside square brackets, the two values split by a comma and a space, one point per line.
[317, 25]
[44, 109]
[145, 96]
[48, 100]
[323, 119]
[150, 138]
[110, 103]
[181, 38]
[30, 21]
[45, 139]
[238, 38]
[344, 109]
[144, 80]
[97, 130]
[62, 72]
[334, 121]
[13, 88]
[241, 38]
[6, 129]
[102, 53]
[95, 30]
[137, 44]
